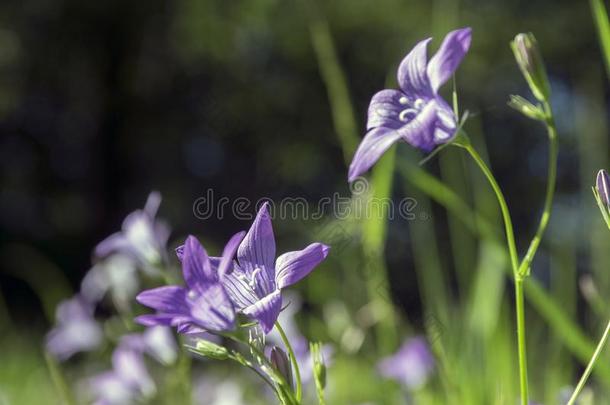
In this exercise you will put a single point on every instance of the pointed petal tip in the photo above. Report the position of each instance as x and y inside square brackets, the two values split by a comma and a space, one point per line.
[325, 250]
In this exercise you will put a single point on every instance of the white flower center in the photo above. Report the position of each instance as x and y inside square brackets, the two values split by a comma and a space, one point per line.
[413, 109]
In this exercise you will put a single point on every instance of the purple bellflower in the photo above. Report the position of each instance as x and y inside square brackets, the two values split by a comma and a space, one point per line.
[76, 329]
[157, 341]
[411, 365]
[203, 305]
[257, 278]
[142, 236]
[117, 276]
[416, 113]
[127, 382]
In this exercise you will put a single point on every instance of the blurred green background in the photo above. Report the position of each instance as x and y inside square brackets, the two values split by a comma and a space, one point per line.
[101, 102]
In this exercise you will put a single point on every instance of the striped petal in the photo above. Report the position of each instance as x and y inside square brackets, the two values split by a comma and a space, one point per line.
[266, 310]
[293, 266]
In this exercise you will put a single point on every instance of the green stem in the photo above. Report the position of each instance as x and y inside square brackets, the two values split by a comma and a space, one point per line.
[59, 380]
[521, 343]
[514, 258]
[265, 364]
[550, 191]
[293, 360]
[237, 359]
[589, 369]
[508, 224]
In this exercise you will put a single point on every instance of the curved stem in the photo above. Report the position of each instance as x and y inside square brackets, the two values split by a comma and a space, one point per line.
[508, 224]
[514, 258]
[293, 359]
[589, 369]
[521, 343]
[257, 371]
[550, 191]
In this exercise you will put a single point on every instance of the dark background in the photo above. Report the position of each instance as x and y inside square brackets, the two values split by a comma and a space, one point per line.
[101, 102]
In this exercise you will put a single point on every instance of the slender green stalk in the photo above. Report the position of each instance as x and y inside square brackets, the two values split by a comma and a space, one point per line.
[236, 356]
[589, 369]
[59, 380]
[600, 16]
[508, 223]
[293, 360]
[521, 343]
[514, 258]
[571, 334]
[550, 191]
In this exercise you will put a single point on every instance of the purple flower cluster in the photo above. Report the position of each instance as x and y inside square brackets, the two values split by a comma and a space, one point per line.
[140, 244]
[246, 279]
[129, 381]
[76, 329]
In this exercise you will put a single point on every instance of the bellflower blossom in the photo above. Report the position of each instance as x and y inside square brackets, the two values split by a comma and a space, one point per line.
[127, 382]
[115, 275]
[156, 341]
[411, 365]
[256, 281]
[203, 305]
[416, 113]
[142, 236]
[76, 329]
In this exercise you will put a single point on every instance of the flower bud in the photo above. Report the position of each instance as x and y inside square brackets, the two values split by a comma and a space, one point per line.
[531, 64]
[601, 191]
[280, 362]
[211, 350]
[602, 184]
[526, 108]
[319, 367]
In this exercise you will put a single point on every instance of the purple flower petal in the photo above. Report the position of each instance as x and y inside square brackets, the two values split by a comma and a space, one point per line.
[266, 310]
[213, 309]
[76, 329]
[412, 75]
[446, 60]
[411, 365]
[421, 131]
[156, 319]
[180, 252]
[257, 249]
[159, 342]
[293, 266]
[385, 108]
[373, 145]
[113, 243]
[196, 266]
[241, 292]
[129, 365]
[228, 254]
[167, 300]
[152, 204]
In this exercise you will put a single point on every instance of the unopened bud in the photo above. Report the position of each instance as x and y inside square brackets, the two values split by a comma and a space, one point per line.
[531, 64]
[280, 362]
[602, 184]
[601, 191]
[211, 350]
[526, 108]
[319, 367]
